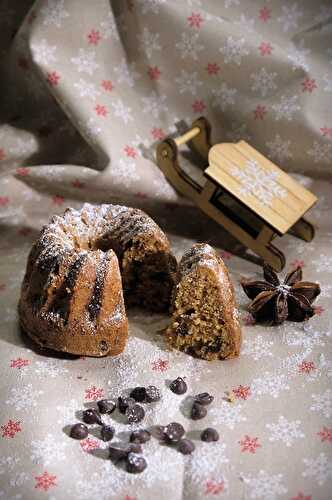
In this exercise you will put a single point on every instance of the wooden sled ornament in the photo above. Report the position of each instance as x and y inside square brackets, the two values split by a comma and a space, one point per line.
[243, 191]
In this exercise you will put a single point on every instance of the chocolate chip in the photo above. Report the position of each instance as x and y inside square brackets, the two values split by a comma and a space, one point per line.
[79, 431]
[135, 414]
[135, 463]
[185, 446]
[140, 436]
[198, 411]
[107, 432]
[124, 403]
[106, 406]
[91, 416]
[152, 394]
[209, 434]
[139, 394]
[204, 398]
[178, 386]
[174, 432]
[117, 454]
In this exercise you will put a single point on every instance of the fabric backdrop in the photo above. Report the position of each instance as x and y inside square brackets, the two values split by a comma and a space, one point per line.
[87, 90]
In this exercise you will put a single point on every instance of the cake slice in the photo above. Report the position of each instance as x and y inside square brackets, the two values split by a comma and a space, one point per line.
[205, 319]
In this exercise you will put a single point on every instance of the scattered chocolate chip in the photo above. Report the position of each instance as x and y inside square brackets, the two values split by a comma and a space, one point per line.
[209, 434]
[117, 454]
[178, 386]
[106, 406]
[152, 394]
[135, 414]
[91, 416]
[136, 463]
[139, 394]
[174, 432]
[107, 432]
[79, 431]
[185, 446]
[198, 411]
[204, 398]
[124, 403]
[140, 436]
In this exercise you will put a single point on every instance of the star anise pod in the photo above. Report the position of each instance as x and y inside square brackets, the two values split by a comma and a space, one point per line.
[274, 302]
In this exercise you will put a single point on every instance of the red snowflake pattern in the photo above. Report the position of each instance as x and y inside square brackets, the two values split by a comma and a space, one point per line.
[94, 393]
[57, 199]
[297, 263]
[52, 78]
[213, 487]
[101, 110]
[306, 367]
[22, 171]
[89, 444]
[24, 231]
[259, 112]
[139, 194]
[248, 319]
[326, 132]
[23, 63]
[249, 444]
[19, 363]
[2, 154]
[94, 37]
[78, 184]
[2, 287]
[242, 391]
[154, 72]
[130, 151]
[107, 85]
[308, 85]
[212, 68]
[4, 200]
[128, 497]
[195, 20]
[198, 106]
[301, 496]
[265, 14]
[45, 481]
[11, 428]
[325, 434]
[265, 49]
[318, 310]
[160, 365]
[157, 133]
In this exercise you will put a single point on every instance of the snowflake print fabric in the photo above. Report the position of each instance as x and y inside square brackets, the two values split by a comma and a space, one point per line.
[88, 90]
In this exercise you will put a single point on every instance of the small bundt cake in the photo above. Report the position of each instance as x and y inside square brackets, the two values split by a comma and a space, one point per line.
[205, 319]
[72, 293]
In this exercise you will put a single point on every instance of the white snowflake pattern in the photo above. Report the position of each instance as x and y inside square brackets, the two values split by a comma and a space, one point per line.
[323, 264]
[154, 104]
[227, 414]
[18, 479]
[108, 27]
[279, 149]
[51, 367]
[328, 83]
[189, 46]
[126, 172]
[265, 486]
[258, 182]
[22, 398]
[24, 146]
[126, 73]
[233, 50]
[247, 23]
[230, 3]
[188, 82]
[285, 431]
[66, 413]
[224, 96]
[257, 347]
[286, 107]
[122, 111]
[48, 451]
[320, 152]
[209, 460]
[85, 61]
[307, 337]
[149, 42]
[319, 468]
[323, 403]
[263, 81]
[269, 384]
[7, 464]
[90, 128]
[150, 5]
[298, 56]
[163, 189]
[54, 13]
[325, 365]
[43, 53]
[290, 17]
[86, 89]
[325, 11]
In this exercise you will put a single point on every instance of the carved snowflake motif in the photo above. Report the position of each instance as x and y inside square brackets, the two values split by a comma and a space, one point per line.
[285, 431]
[265, 486]
[319, 468]
[258, 182]
[233, 50]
